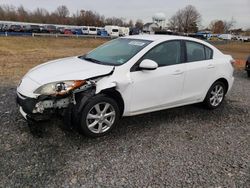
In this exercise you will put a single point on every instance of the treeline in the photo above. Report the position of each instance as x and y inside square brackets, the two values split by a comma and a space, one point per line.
[62, 16]
[187, 20]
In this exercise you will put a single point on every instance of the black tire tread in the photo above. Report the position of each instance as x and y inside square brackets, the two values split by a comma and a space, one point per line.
[89, 104]
[206, 101]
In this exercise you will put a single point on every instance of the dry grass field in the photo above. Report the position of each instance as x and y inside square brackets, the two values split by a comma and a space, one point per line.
[19, 54]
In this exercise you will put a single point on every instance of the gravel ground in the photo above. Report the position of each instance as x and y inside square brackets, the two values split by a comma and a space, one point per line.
[182, 147]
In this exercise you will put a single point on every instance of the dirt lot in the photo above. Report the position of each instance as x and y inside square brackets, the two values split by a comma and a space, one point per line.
[181, 147]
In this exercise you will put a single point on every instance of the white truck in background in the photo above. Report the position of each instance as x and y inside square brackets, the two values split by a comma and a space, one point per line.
[123, 31]
[112, 30]
[89, 30]
[225, 36]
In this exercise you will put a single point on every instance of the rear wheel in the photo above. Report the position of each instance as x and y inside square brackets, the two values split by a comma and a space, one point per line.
[99, 116]
[215, 95]
[248, 73]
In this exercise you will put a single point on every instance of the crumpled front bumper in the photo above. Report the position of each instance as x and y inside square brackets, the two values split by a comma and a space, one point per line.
[27, 106]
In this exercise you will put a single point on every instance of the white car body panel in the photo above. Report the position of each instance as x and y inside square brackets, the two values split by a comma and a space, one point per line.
[156, 88]
[71, 68]
[141, 91]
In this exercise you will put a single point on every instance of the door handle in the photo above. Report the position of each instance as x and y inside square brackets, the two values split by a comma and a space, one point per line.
[178, 72]
[210, 66]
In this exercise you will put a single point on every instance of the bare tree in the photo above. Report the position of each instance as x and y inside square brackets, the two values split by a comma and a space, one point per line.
[185, 20]
[229, 25]
[60, 16]
[130, 23]
[219, 26]
[9, 12]
[22, 14]
[40, 15]
[139, 24]
[62, 11]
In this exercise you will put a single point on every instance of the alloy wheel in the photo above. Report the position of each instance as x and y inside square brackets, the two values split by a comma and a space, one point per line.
[216, 95]
[101, 117]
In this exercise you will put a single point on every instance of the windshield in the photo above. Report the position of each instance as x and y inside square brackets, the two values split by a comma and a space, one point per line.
[116, 52]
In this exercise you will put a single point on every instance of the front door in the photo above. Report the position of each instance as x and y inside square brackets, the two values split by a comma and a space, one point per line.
[155, 89]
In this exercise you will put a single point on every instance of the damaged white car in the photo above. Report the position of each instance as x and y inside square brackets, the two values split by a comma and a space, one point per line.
[126, 77]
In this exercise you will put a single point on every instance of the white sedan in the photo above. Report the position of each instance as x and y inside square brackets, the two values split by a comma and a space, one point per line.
[125, 77]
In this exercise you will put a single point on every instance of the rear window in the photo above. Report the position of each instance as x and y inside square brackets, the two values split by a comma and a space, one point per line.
[195, 51]
[209, 53]
[92, 29]
[114, 30]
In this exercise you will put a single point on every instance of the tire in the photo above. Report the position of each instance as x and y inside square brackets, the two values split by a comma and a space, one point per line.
[248, 74]
[215, 95]
[99, 116]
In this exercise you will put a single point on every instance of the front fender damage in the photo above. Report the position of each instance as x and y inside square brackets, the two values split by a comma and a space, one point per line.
[69, 106]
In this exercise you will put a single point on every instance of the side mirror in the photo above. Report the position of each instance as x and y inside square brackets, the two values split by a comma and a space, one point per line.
[148, 64]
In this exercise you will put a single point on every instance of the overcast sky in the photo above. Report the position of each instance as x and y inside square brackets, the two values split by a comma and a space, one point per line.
[144, 9]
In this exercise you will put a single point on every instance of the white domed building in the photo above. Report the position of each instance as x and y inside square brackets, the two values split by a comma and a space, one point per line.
[160, 19]
[159, 22]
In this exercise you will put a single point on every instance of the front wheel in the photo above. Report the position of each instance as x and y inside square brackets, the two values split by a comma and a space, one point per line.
[215, 95]
[248, 74]
[99, 116]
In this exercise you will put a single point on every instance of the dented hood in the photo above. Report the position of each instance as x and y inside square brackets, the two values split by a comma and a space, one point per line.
[72, 68]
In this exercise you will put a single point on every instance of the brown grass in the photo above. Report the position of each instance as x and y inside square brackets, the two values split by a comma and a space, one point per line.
[240, 51]
[19, 54]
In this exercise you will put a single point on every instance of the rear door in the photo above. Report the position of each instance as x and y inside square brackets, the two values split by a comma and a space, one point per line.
[200, 67]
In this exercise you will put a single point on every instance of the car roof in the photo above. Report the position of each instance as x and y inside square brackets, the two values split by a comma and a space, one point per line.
[160, 37]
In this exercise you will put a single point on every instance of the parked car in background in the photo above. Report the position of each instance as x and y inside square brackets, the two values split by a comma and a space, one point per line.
[1, 27]
[112, 30]
[43, 29]
[77, 31]
[60, 30]
[123, 31]
[32, 28]
[67, 32]
[102, 33]
[92, 31]
[50, 29]
[15, 28]
[125, 77]
[134, 31]
[85, 30]
[247, 68]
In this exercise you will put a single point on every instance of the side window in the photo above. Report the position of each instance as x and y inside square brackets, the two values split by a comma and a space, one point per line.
[195, 51]
[209, 53]
[165, 54]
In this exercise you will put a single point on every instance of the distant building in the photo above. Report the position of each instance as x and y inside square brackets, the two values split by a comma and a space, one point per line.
[160, 19]
[150, 28]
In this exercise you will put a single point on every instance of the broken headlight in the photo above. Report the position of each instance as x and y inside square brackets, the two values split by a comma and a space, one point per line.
[59, 88]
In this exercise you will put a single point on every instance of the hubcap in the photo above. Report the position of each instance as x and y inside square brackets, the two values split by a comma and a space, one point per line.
[100, 118]
[217, 95]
